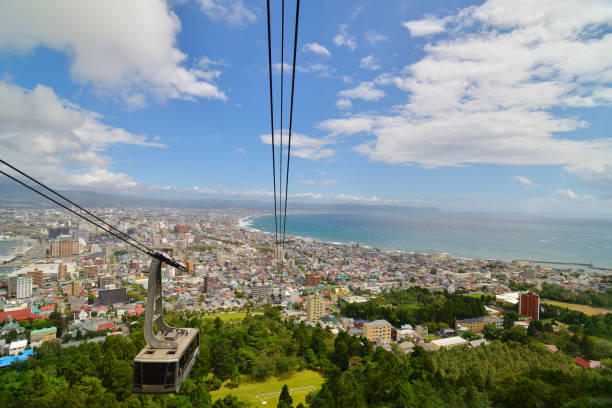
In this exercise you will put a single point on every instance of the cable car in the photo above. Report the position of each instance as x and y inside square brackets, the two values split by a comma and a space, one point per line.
[164, 363]
[158, 370]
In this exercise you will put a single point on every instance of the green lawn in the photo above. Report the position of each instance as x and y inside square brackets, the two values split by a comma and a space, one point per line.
[227, 316]
[252, 392]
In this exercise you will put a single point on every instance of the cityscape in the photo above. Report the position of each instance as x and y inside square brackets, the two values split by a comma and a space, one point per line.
[291, 204]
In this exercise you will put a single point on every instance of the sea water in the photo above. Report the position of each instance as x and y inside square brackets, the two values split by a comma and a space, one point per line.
[480, 236]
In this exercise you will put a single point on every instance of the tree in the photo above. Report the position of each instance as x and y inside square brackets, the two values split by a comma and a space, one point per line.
[509, 318]
[285, 400]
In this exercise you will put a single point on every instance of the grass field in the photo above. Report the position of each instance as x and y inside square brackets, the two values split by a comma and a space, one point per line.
[227, 316]
[257, 394]
[587, 310]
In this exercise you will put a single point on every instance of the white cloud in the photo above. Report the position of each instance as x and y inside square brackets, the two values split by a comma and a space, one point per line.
[370, 63]
[343, 103]
[60, 143]
[365, 91]
[344, 39]
[525, 181]
[303, 146]
[303, 181]
[329, 182]
[120, 48]
[241, 150]
[322, 70]
[426, 26]
[374, 37]
[232, 12]
[321, 172]
[569, 194]
[498, 90]
[317, 49]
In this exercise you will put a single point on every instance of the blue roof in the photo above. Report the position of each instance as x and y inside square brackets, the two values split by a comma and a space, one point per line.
[8, 360]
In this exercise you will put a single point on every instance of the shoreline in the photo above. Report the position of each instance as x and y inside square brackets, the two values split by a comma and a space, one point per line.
[246, 224]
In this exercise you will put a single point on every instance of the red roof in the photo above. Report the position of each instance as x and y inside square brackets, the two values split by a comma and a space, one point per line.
[21, 314]
[50, 306]
[582, 362]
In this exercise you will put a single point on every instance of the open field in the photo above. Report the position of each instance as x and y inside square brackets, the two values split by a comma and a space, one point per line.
[227, 316]
[587, 310]
[266, 393]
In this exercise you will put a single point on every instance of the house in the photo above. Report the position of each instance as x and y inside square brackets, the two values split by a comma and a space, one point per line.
[552, 348]
[17, 347]
[476, 343]
[582, 362]
[406, 347]
[38, 337]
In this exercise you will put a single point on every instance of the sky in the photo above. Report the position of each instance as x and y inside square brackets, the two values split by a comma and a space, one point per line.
[472, 106]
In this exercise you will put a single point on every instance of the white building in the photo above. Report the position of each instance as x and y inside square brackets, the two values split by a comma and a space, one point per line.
[17, 347]
[20, 286]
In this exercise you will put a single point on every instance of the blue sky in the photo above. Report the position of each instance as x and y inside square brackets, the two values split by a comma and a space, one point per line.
[495, 106]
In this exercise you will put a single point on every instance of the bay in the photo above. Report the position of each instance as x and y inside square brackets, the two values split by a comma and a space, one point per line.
[482, 236]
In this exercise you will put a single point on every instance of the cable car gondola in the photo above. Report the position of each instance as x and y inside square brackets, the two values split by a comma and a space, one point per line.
[165, 362]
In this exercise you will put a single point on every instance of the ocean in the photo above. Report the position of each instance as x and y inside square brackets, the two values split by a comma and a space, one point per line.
[505, 238]
[5, 247]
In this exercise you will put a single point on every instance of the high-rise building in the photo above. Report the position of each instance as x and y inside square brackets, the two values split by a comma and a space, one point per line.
[315, 308]
[312, 279]
[104, 280]
[378, 330]
[529, 305]
[57, 231]
[73, 288]
[90, 271]
[20, 286]
[261, 291]
[63, 249]
[37, 277]
[62, 271]
[181, 229]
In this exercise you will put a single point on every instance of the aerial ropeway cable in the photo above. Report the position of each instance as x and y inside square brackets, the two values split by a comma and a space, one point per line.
[165, 362]
[280, 228]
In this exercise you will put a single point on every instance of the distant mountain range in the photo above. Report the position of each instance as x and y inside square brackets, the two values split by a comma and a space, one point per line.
[15, 196]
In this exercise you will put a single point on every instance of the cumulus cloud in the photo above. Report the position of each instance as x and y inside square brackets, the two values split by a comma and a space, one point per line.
[426, 26]
[329, 182]
[525, 181]
[370, 63]
[365, 91]
[304, 146]
[343, 103]
[125, 48]
[233, 12]
[498, 91]
[60, 143]
[317, 49]
[304, 181]
[343, 39]
[241, 150]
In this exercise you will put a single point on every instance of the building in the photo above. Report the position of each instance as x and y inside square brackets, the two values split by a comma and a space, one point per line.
[73, 288]
[104, 280]
[261, 291]
[62, 271]
[17, 347]
[112, 297]
[529, 305]
[38, 337]
[477, 324]
[181, 229]
[448, 342]
[312, 280]
[64, 249]
[378, 330]
[529, 273]
[56, 232]
[20, 287]
[90, 271]
[37, 277]
[315, 308]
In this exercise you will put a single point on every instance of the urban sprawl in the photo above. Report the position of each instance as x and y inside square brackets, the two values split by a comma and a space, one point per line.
[63, 265]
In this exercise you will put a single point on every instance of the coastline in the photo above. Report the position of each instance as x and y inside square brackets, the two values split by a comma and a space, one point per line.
[246, 224]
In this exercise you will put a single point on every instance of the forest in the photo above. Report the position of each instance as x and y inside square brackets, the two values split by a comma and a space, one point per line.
[513, 370]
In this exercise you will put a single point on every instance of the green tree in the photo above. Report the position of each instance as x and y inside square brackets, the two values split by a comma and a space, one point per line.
[509, 318]
[285, 400]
